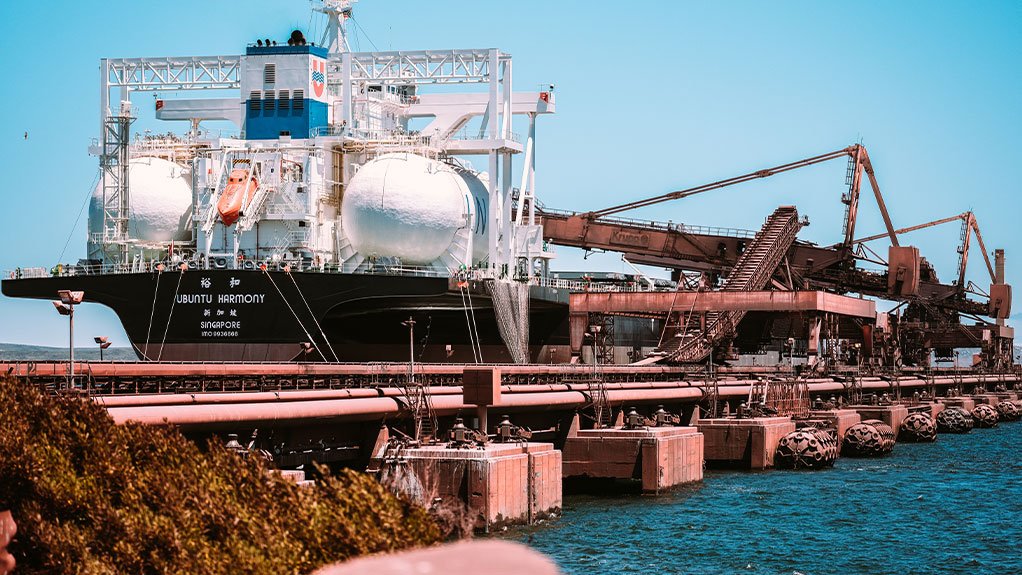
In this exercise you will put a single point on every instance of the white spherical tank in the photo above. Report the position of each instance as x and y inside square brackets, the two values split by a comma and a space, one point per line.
[478, 194]
[160, 196]
[410, 207]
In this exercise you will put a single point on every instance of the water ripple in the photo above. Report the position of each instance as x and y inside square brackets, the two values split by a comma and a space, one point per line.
[951, 507]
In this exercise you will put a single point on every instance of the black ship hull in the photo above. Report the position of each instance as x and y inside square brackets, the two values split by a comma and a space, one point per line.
[245, 315]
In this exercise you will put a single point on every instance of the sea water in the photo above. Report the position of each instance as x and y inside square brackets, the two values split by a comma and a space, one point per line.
[954, 506]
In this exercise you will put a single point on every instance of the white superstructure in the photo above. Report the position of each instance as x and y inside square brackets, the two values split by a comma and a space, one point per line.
[346, 161]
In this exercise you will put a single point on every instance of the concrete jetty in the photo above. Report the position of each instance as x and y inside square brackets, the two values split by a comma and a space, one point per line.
[498, 484]
[748, 443]
[503, 475]
[658, 457]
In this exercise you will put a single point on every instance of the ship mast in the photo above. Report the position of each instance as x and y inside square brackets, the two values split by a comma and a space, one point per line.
[335, 36]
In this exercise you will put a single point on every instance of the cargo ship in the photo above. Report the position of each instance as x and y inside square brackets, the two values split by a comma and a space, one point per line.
[345, 204]
[379, 206]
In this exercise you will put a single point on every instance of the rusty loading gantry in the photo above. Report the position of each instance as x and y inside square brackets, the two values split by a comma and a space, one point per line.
[737, 290]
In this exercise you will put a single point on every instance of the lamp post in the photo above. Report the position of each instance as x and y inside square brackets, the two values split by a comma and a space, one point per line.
[411, 349]
[102, 342]
[66, 306]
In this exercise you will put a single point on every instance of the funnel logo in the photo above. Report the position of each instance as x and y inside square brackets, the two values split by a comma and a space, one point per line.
[318, 77]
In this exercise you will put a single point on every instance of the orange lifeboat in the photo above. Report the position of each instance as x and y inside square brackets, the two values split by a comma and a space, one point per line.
[236, 196]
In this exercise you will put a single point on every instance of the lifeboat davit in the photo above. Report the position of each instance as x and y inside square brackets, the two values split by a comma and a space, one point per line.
[236, 196]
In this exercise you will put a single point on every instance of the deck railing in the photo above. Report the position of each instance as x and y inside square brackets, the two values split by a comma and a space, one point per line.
[216, 263]
[666, 226]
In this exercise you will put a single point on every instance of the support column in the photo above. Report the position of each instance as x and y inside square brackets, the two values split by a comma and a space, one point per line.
[814, 339]
[532, 170]
[481, 387]
[496, 201]
[508, 232]
[346, 90]
[104, 95]
[495, 209]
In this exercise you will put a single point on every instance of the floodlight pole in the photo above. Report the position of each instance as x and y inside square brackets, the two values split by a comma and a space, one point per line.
[103, 342]
[66, 306]
[71, 346]
[411, 349]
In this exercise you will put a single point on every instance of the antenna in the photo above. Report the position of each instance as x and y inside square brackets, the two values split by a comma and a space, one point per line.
[335, 36]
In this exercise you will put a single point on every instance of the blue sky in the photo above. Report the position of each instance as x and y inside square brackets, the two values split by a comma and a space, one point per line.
[652, 96]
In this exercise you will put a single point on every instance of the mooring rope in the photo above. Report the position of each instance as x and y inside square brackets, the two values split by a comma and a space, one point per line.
[300, 324]
[472, 310]
[468, 322]
[152, 312]
[312, 315]
[171, 314]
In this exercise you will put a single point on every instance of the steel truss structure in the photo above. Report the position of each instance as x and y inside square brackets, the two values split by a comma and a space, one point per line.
[420, 66]
[172, 73]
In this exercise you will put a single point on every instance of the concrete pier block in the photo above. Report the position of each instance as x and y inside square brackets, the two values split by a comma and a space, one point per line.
[499, 483]
[892, 415]
[839, 419]
[749, 443]
[966, 403]
[660, 457]
[990, 399]
[931, 408]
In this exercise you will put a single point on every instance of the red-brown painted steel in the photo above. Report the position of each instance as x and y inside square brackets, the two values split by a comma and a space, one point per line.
[778, 301]
[319, 406]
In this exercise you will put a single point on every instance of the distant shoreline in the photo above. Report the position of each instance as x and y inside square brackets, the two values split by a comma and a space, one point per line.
[23, 352]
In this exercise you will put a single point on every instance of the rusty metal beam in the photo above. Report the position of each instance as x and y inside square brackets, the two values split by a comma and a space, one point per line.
[538, 399]
[723, 183]
[868, 165]
[982, 246]
[963, 261]
[669, 245]
[775, 301]
[852, 200]
[653, 239]
[900, 231]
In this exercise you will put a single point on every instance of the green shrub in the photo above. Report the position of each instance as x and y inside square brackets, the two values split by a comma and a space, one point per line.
[90, 496]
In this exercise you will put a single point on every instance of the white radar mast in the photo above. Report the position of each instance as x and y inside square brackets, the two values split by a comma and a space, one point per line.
[335, 36]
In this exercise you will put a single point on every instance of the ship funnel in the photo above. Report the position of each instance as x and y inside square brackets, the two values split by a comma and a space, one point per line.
[297, 38]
